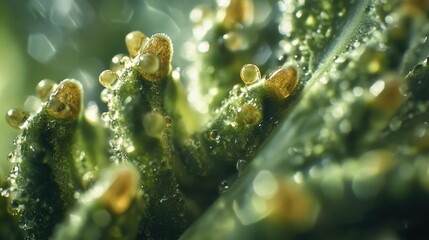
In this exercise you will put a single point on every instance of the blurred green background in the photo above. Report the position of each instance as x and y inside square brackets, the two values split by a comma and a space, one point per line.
[57, 39]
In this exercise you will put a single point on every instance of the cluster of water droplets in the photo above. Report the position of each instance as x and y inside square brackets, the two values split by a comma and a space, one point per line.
[17, 117]
[149, 60]
[306, 29]
[110, 80]
[15, 206]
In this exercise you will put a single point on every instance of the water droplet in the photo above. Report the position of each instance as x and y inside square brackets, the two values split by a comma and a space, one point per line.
[10, 156]
[65, 103]
[235, 41]
[107, 78]
[153, 124]
[250, 73]
[125, 61]
[115, 63]
[106, 95]
[114, 115]
[249, 114]
[22, 224]
[237, 90]
[88, 179]
[148, 63]
[241, 165]
[32, 104]
[4, 192]
[223, 186]
[168, 121]
[282, 82]
[135, 41]
[214, 135]
[114, 125]
[16, 117]
[44, 89]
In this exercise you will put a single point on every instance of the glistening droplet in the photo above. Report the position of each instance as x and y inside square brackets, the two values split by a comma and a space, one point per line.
[241, 165]
[250, 73]
[10, 156]
[115, 63]
[223, 186]
[135, 41]
[44, 89]
[107, 78]
[168, 121]
[214, 135]
[32, 104]
[16, 117]
[148, 63]
[88, 179]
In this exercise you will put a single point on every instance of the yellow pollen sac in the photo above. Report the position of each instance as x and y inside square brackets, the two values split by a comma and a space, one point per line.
[135, 41]
[238, 12]
[250, 74]
[282, 82]
[159, 47]
[44, 89]
[16, 117]
[122, 190]
[65, 102]
[107, 78]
